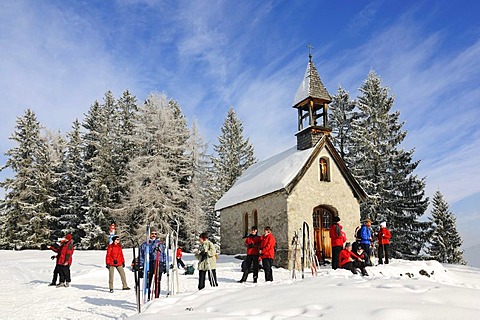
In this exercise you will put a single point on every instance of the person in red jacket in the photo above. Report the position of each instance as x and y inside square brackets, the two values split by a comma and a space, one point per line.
[351, 261]
[337, 238]
[383, 237]
[179, 258]
[252, 242]
[64, 261]
[115, 260]
[267, 252]
[56, 248]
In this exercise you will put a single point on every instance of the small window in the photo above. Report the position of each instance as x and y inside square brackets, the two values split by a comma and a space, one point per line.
[326, 219]
[324, 170]
[255, 217]
[245, 223]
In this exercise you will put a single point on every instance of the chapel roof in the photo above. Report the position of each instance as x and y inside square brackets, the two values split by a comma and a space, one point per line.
[311, 86]
[282, 171]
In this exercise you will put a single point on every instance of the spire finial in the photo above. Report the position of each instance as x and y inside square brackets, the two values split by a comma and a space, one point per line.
[310, 48]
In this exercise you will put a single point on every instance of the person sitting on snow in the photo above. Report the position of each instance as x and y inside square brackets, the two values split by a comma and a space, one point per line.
[351, 261]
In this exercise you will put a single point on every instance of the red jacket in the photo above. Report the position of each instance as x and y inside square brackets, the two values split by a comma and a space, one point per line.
[252, 242]
[337, 236]
[179, 253]
[345, 256]
[114, 253]
[65, 254]
[267, 245]
[384, 236]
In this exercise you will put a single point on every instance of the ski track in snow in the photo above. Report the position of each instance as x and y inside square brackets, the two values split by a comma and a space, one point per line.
[395, 291]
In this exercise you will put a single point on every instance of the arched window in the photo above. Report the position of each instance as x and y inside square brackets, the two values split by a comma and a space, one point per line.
[245, 223]
[324, 169]
[255, 217]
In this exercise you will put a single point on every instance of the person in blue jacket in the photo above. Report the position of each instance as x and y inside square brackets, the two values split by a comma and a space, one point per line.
[156, 250]
[366, 239]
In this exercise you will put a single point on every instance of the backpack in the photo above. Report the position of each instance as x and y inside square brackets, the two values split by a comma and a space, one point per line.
[357, 233]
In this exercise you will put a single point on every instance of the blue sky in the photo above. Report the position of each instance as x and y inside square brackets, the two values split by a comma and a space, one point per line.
[57, 57]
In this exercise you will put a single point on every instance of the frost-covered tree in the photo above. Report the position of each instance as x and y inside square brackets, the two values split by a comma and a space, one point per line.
[197, 188]
[159, 174]
[99, 173]
[444, 240]
[341, 117]
[73, 213]
[234, 154]
[385, 170]
[27, 206]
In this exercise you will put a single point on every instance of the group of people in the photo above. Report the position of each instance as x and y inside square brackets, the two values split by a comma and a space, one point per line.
[358, 255]
[259, 248]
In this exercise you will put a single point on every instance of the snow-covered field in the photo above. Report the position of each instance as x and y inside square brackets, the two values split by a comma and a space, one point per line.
[395, 291]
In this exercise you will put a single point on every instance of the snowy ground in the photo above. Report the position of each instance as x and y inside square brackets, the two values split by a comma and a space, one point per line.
[396, 291]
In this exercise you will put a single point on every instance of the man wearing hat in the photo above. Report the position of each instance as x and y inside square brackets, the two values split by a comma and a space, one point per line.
[366, 240]
[337, 238]
[155, 249]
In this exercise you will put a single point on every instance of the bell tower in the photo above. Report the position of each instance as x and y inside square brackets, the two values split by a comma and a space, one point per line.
[311, 101]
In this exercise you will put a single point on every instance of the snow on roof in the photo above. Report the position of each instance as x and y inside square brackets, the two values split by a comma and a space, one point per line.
[265, 177]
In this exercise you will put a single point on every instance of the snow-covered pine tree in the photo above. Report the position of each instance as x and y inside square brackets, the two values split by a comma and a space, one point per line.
[198, 185]
[153, 179]
[57, 149]
[73, 214]
[99, 173]
[385, 170]
[234, 154]
[444, 239]
[341, 117]
[28, 193]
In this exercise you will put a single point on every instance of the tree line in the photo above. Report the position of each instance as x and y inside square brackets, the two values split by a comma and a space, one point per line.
[138, 163]
[127, 163]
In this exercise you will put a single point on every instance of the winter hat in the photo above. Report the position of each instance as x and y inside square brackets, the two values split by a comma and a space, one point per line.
[115, 238]
[68, 236]
[367, 220]
[383, 224]
[336, 219]
[153, 229]
[347, 244]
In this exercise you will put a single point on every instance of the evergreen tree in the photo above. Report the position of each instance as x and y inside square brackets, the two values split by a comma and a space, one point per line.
[385, 170]
[28, 195]
[99, 173]
[234, 154]
[197, 187]
[444, 240]
[74, 181]
[341, 117]
[156, 194]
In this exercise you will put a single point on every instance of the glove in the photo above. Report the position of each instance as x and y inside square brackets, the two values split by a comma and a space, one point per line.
[52, 257]
[115, 262]
[107, 266]
[123, 265]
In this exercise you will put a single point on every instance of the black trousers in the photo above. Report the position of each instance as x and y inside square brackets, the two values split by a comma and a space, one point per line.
[56, 273]
[383, 250]
[212, 279]
[251, 259]
[157, 280]
[368, 253]
[336, 256]
[64, 272]
[267, 268]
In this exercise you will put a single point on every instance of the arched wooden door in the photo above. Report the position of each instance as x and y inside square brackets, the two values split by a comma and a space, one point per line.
[322, 219]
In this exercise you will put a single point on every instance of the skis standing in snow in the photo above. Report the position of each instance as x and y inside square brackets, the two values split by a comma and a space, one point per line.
[152, 257]
[206, 254]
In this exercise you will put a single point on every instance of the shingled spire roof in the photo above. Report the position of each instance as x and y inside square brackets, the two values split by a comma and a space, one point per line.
[311, 86]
